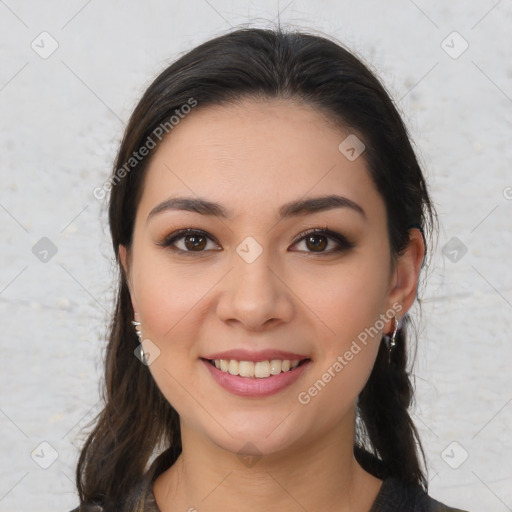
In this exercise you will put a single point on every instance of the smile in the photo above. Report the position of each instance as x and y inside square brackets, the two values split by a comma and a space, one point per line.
[259, 369]
[255, 379]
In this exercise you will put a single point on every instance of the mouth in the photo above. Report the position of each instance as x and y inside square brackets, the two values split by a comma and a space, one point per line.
[256, 379]
[256, 369]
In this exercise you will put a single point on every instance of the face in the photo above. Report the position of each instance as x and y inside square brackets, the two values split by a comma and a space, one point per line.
[258, 284]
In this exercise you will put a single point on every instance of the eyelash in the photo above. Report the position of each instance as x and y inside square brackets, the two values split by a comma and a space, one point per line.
[343, 243]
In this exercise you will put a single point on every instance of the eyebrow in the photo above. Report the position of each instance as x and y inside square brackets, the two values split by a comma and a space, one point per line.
[291, 209]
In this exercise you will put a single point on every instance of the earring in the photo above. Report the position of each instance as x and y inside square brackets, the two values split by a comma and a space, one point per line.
[391, 341]
[138, 331]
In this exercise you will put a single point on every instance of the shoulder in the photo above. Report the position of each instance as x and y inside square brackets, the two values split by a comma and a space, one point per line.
[139, 498]
[88, 508]
[396, 495]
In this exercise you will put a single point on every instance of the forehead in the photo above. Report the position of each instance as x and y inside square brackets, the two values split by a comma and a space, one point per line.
[254, 155]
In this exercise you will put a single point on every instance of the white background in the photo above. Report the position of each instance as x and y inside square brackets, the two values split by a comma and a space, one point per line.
[61, 121]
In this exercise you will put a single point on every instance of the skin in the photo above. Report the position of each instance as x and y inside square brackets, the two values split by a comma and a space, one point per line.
[253, 157]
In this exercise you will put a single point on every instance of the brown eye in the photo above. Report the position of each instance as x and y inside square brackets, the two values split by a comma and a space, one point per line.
[195, 242]
[187, 241]
[317, 240]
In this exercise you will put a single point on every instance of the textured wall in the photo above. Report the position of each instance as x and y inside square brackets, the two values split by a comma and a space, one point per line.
[62, 116]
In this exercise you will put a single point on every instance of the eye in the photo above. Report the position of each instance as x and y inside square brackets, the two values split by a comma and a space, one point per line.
[317, 240]
[191, 241]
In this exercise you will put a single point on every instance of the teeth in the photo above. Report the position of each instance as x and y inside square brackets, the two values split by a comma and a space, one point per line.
[260, 369]
[275, 366]
[233, 367]
[246, 369]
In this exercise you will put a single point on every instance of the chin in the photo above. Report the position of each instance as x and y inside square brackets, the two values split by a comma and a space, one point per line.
[255, 437]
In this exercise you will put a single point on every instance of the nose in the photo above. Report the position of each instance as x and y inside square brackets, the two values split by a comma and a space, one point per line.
[255, 295]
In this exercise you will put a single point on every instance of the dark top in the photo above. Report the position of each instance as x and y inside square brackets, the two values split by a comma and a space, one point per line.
[394, 496]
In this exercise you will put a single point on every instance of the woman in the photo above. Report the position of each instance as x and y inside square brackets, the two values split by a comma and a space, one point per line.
[270, 220]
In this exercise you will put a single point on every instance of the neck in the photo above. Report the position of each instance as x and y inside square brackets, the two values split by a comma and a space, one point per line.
[323, 475]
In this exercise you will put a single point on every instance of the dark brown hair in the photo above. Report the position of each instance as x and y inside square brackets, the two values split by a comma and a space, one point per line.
[137, 420]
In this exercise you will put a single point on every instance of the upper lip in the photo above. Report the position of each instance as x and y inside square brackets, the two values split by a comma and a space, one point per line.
[262, 355]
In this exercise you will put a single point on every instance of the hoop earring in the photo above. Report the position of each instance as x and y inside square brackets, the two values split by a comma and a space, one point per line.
[391, 341]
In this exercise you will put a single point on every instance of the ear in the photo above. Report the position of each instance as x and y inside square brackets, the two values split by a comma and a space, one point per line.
[124, 260]
[404, 283]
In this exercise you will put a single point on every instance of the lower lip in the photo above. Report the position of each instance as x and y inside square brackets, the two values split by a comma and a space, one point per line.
[255, 387]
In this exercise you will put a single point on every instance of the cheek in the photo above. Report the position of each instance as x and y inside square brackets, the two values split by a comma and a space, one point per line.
[170, 305]
[350, 299]
[168, 296]
[345, 357]
[350, 304]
